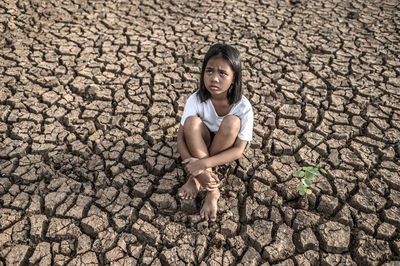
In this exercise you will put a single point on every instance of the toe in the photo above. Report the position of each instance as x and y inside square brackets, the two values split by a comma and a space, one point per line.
[206, 216]
[213, 217]
[202, 214]
[181, 193]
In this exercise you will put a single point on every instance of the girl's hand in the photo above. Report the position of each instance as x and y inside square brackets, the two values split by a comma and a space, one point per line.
[208, 180]
[194, 166]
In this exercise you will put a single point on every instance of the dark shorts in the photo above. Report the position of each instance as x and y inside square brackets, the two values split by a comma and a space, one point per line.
[212, 135]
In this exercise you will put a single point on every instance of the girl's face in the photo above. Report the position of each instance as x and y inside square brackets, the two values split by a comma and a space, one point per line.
[218, 76]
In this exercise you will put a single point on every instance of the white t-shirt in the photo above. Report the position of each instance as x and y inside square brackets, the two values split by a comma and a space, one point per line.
[206, 111]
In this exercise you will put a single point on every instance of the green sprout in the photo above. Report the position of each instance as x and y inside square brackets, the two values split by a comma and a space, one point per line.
[306, 174]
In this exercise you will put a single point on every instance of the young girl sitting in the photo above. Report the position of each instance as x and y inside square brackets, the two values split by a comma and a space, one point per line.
[216, 125]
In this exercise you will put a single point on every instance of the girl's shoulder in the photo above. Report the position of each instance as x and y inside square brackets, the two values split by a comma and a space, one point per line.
[244, 102]
[243, 106]
[194, 97]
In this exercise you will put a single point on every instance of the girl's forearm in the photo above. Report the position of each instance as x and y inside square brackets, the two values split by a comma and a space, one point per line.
[224, 157]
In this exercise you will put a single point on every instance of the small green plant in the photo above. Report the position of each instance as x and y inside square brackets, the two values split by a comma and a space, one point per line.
[306, 174]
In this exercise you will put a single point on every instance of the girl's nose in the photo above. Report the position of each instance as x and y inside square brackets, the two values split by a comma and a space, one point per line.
[214, 77]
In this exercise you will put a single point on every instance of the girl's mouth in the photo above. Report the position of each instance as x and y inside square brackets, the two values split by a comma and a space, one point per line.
[214, 88]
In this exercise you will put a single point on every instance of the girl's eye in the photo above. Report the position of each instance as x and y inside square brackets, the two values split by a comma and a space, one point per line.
[223, 74]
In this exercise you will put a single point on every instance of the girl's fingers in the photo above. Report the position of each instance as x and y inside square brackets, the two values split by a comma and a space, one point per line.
[215, 177]
[213, 186]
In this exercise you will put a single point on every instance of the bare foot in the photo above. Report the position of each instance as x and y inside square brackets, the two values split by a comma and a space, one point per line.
[189, 190]
[210, 207]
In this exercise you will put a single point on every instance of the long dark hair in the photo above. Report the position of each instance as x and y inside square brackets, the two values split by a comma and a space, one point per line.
[231, 55]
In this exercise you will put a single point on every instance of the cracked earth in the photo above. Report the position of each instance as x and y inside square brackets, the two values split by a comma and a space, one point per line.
[91, 93]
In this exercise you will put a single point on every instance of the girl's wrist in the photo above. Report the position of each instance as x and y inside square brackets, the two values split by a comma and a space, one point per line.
[207, 163]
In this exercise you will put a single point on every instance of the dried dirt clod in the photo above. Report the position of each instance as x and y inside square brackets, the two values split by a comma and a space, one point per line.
[214, 257]
[328, 204]
[172, 233]
[186, 253]
[15, 255]
[392, 178]
[329, 259]
[367, 222]
[114, 255]
[88, 258]
[96, 222]
[189, 206]
[283, 246]
[8, 217]
[251, 257]
[142, 189]
[59, 229]
[52, 200]
[164, 203]
[147, 212]
[38, 223]
[237, 245]
[394, 197]
[288, 262]
[310, 257]
[367, 200]
[335, 237]
[370, 251]
[386, 231]
[396, 245]
[170, 257]
[146, 232]
[306, 240]
[392, 215]
[229, 228]
[41, 254]
[305, 219]
[259, 234]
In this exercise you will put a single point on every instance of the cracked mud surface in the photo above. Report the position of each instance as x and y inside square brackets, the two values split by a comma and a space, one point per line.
[91, 93]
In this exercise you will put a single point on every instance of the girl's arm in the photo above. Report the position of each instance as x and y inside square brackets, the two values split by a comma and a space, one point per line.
[196, 166]
[226, 156]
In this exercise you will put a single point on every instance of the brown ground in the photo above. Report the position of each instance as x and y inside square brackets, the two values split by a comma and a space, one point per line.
[90, 96]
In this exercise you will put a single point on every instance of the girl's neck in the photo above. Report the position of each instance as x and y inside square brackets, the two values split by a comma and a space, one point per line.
[222, 99]
[221, 105]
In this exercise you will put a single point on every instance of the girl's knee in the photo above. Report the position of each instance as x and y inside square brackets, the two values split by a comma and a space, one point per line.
[192, 122]
[230, 125]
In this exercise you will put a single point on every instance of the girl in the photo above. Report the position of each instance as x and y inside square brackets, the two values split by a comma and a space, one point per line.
[216, 125]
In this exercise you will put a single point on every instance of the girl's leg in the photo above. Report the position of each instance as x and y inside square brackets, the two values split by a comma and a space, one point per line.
[226, 135]
[224, 139]
[197, 139]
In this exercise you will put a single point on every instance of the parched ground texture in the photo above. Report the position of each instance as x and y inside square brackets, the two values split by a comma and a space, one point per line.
[91, 93]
